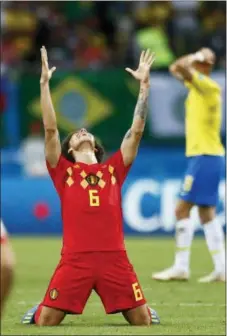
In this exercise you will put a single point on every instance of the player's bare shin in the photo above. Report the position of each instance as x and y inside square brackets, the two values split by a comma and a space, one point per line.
[52, 142]
[132, 138]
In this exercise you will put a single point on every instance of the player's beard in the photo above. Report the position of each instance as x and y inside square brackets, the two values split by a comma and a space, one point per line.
[85, 145]
[85, 151]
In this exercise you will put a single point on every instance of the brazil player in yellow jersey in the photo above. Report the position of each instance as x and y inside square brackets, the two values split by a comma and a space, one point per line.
[205, 166]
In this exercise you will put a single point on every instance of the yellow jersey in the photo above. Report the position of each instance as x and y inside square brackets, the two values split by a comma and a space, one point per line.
[203, 117]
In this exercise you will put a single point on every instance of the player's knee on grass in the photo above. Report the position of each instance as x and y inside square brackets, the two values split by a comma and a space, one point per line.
[138, 316]
[182, 210]
[49, 317]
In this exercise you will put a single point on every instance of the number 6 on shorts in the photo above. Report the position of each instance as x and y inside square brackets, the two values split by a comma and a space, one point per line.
[137, 291]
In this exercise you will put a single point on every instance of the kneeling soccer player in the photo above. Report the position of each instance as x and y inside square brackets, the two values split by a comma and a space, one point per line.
[7, 267]
[93, 253]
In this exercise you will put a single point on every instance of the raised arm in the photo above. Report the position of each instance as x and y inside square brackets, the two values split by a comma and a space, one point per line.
[52, 141]
[182, 68]
[184, 62]
[131, 141]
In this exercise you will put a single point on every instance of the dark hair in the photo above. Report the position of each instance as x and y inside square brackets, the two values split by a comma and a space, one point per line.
[99, 152]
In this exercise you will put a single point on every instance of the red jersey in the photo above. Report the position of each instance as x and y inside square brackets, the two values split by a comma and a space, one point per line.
[91, 203]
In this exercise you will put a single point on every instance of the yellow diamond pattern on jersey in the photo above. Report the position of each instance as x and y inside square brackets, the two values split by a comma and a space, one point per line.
[69, 180]
[84, 184]
[99, 174]
[101, 183]
[113, 179]
[111, 169]
[83, 174]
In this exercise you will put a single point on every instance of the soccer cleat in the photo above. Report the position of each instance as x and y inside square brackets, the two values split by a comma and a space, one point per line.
[154, 316]
[213, 277]
[171, 273]
[29, 317]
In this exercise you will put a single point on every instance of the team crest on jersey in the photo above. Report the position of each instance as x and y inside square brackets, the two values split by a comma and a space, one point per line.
[92, 179]
[53, 294]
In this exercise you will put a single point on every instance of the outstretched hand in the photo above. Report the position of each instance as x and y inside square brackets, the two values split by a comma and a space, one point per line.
[46, 72]
[142, 73]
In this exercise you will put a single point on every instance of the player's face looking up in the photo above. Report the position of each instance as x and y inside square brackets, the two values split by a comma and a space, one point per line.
[82, 140]
[79, 142]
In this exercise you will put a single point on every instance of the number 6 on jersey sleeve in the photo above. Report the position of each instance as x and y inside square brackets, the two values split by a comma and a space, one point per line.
[94, 198]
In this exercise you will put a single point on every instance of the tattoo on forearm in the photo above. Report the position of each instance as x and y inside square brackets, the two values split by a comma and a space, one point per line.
[128, 134]
[141, 109]
[140, 112]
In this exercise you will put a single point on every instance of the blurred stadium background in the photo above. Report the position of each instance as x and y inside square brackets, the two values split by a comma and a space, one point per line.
[90, 43]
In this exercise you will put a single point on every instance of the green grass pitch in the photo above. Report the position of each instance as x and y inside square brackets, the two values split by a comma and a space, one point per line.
[185, 308]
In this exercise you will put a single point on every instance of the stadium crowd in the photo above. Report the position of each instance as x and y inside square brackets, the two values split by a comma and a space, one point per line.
[100, 34]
